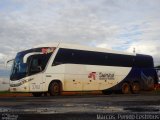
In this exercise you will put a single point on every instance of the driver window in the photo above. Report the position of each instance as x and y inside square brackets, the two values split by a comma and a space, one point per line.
[38, 63]
[35, 65]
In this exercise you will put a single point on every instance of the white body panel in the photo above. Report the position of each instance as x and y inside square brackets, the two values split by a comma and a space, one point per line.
[74, 77]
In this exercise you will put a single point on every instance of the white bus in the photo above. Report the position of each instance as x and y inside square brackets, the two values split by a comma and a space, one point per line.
[54, 68]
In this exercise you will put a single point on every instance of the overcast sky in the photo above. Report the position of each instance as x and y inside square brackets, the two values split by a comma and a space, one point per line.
[114, 24]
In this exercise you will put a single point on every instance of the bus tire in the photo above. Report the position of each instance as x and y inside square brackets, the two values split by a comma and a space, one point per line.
[135, 88]
[37, 94]
[54, 89]
[125, 88]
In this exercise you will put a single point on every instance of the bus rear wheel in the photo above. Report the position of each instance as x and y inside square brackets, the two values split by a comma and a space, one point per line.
[125, 88]
[136, 88]
[54, 89]
[37, 94]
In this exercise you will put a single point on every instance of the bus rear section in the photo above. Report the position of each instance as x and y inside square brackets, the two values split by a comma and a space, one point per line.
[142, 77]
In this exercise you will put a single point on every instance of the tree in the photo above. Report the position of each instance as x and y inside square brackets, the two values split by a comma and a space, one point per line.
[158, 66]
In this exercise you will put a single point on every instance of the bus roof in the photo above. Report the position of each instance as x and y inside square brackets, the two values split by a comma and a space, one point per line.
[81, 47]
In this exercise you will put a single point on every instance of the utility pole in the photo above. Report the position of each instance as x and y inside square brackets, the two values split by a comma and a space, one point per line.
[134, 50]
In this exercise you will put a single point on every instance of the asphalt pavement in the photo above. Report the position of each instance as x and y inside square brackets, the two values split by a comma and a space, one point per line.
[110, 107]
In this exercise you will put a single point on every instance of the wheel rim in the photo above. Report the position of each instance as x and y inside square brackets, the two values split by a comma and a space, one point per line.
[135, 88]
[125, 88]
[55, 89]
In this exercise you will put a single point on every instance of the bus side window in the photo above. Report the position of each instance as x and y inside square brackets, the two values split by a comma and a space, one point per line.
[38, 62]
[59, 58]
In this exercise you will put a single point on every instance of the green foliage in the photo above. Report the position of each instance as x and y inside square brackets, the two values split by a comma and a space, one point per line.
[158, 66]
[4, 92]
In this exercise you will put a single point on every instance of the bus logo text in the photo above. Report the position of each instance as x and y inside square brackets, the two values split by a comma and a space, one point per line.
[106, 76]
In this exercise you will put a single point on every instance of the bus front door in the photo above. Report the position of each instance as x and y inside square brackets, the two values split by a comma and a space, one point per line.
[36, 83]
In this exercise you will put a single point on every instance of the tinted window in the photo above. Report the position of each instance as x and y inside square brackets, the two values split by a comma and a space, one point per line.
[143, 61]
[20, 69]
[92, 58]
[38, 62]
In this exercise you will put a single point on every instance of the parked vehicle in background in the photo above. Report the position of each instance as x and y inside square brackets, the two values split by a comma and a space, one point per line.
[157, 86]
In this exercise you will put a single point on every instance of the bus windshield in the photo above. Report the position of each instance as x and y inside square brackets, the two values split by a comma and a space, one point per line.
[21, 69]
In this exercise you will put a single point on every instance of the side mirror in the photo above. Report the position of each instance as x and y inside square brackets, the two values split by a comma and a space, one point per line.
[9, 63]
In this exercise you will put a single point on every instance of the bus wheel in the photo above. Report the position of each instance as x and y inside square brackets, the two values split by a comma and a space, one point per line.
[135, 88]
[125, 88]
[37, 94]
[54, 89]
